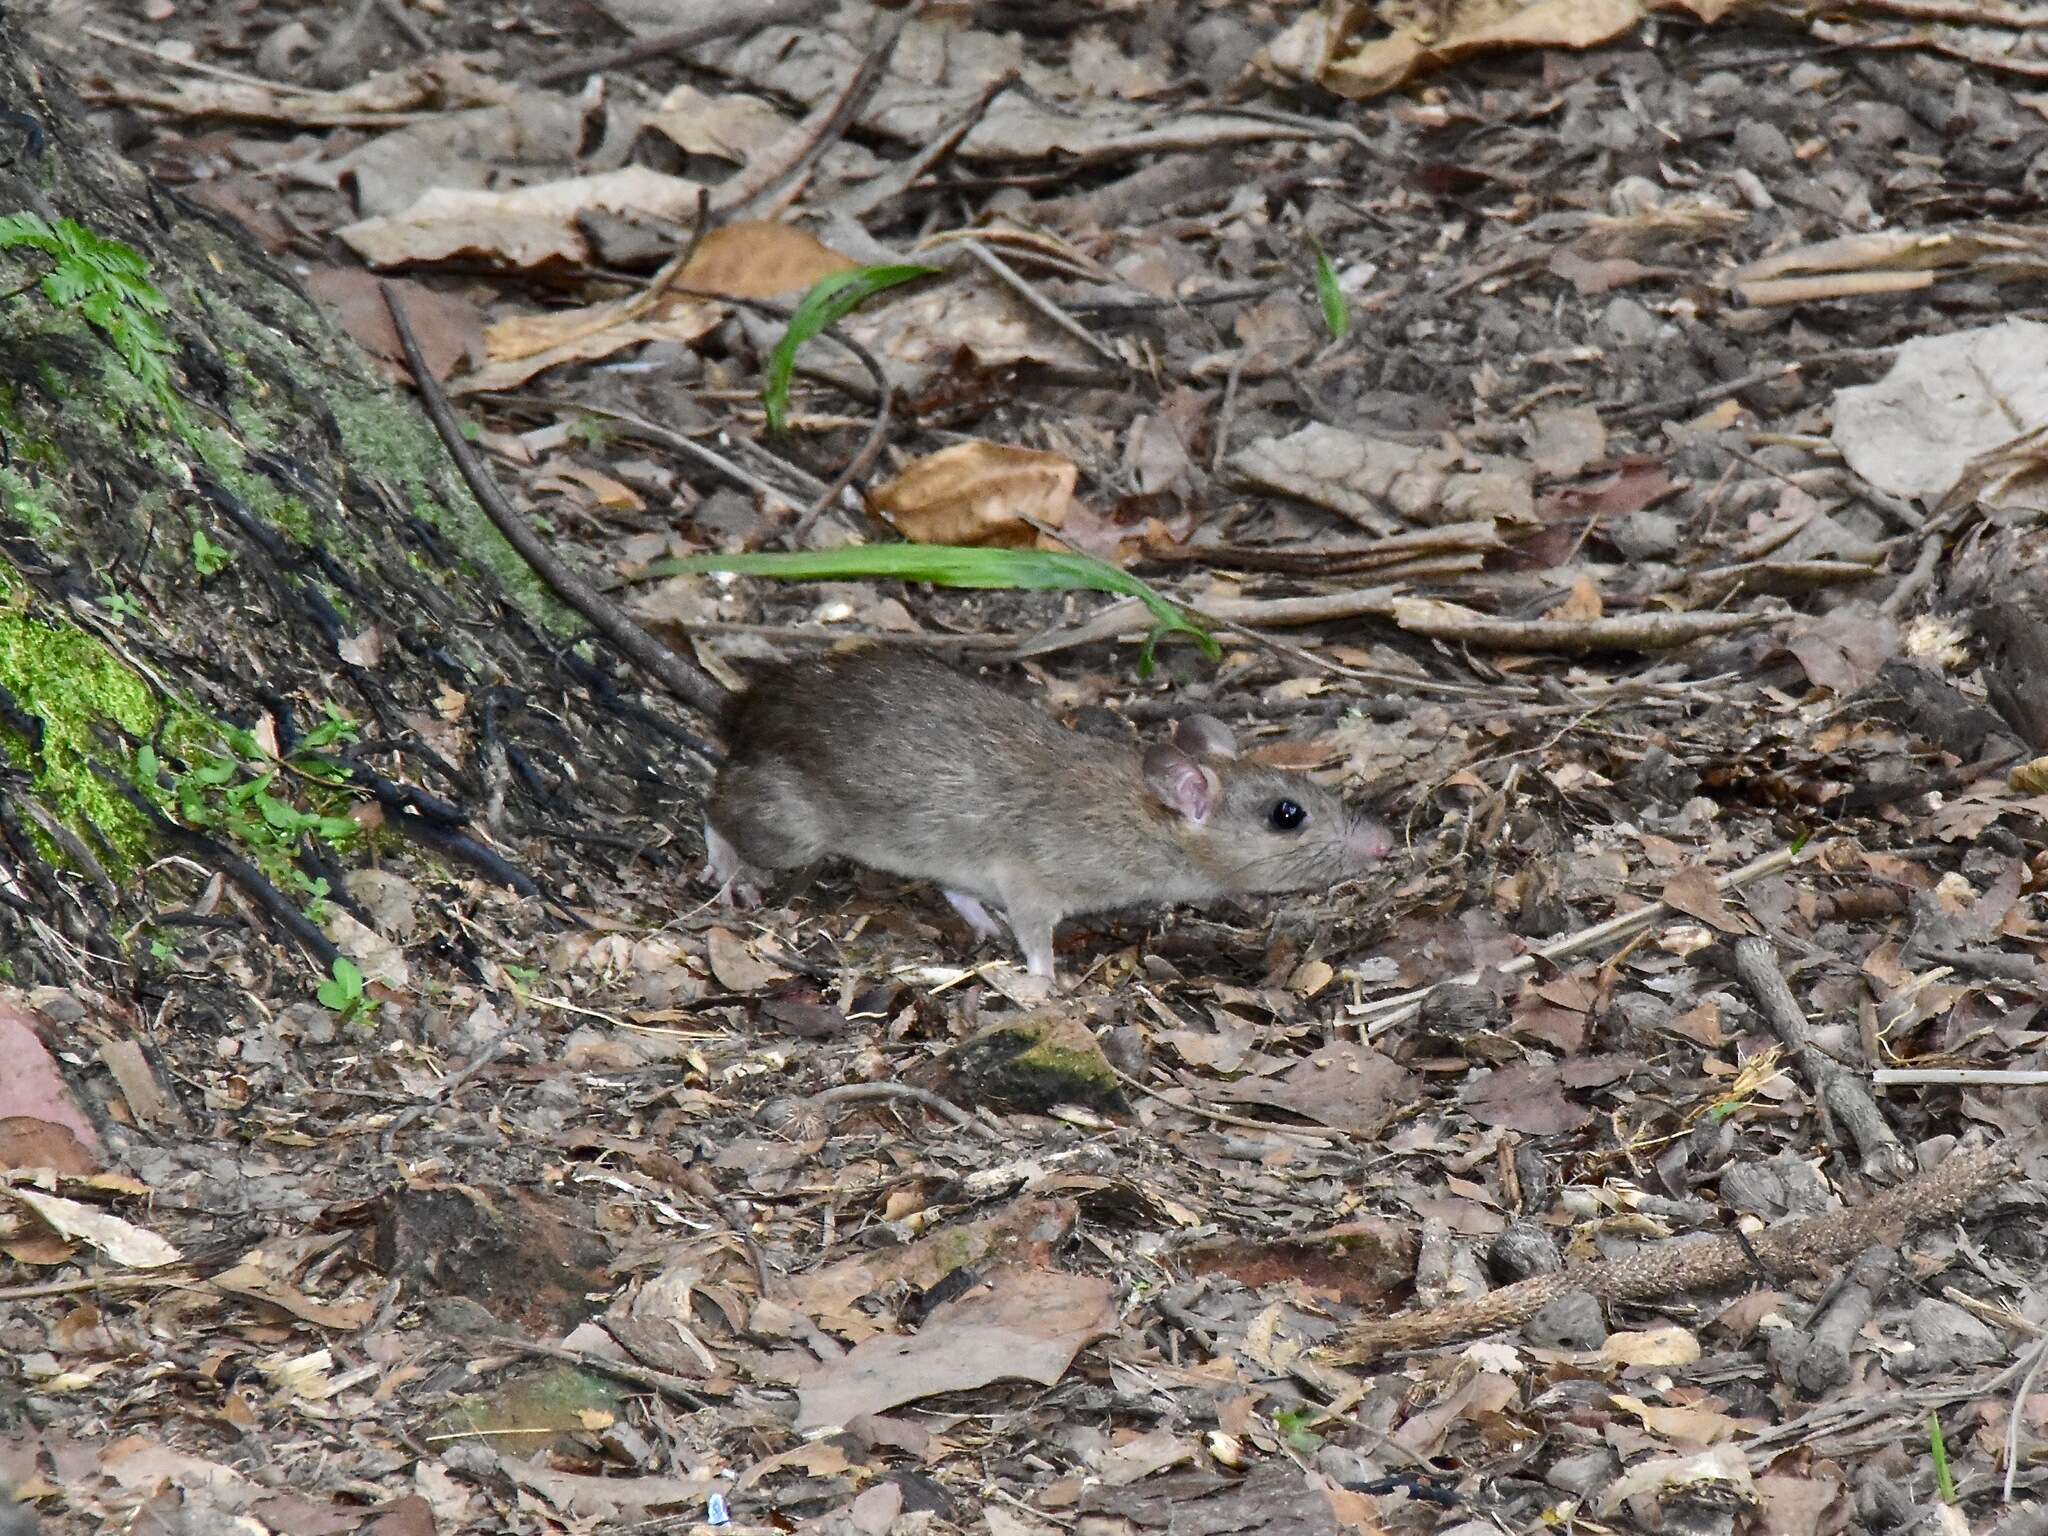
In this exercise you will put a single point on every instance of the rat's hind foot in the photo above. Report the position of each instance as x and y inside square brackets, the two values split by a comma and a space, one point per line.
[736, 887]
[984, 926]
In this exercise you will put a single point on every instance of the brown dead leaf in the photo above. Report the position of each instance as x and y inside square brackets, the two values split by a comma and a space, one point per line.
[736, 964]
[521, 346]
[760, 259]
[1027, 1229]
[979, 493]
[1017, 1324]
[1654, 1347]
[449, 329]
[1528, 1098]
[1583, 602]
[1562, 442]
[1692, 892]
[1346, 1085]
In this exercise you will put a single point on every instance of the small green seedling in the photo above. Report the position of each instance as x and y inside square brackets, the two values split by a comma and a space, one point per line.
[343, 991]
[830, 299]
[209, 558]
[1336, 312]
[1944, 1478]
[1295, 1428]
[960, 565]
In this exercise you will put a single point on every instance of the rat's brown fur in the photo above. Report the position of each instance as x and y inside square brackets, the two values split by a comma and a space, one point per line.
[902, 764]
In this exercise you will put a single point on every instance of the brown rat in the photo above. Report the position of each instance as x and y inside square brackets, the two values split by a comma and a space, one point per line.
[902, 764]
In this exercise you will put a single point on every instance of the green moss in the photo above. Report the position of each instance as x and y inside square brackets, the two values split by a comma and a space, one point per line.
[72, 682]
[384, 432]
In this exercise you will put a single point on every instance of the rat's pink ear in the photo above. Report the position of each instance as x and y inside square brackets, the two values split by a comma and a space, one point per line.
[1205, 736]
[1183, 785]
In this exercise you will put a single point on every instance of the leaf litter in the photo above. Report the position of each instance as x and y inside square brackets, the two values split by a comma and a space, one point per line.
[1656, 540]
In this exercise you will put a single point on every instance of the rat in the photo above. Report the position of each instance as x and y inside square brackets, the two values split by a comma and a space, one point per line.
[905, 765]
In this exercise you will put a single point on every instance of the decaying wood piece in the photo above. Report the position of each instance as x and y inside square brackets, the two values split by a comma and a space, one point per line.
[1792, 1247]
[1845, 1103]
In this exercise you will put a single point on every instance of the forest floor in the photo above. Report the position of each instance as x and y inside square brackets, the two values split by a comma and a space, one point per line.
[1608, 457]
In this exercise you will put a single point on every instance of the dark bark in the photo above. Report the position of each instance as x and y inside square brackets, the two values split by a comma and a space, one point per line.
[495, 740]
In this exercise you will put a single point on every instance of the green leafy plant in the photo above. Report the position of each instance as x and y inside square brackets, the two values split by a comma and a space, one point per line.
[239, 795]
[1336, 312]
[1295, 1426]
[956, 565]
[1944, 1478]
[343, 991]
[209, 558]
[108, 283]
[830, 299]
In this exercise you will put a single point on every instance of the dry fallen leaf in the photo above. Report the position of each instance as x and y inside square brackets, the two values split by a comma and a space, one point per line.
[121, 1241]
[525, 227]
[1017, 1324]
[979, 493]
[760, 259]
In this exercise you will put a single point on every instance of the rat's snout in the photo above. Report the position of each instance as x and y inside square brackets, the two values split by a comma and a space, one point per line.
[1366, 841]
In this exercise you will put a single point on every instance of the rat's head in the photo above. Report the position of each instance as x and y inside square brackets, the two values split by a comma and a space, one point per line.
[1252, 828]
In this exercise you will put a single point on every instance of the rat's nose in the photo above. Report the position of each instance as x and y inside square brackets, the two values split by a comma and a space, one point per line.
[1366, 841]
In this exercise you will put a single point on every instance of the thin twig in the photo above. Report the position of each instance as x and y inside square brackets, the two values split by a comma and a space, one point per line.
[900, 179]
[825, 126]
[683, 679]
[859, 1093]
[1008, 276]
[1956, 1077]
[1386, 1013]
[679, 40]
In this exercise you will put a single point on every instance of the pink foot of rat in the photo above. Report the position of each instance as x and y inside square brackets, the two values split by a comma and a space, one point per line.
[723, 863]
[976, 914]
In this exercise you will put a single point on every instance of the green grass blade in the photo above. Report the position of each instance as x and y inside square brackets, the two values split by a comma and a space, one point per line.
[1336, 312]
[958, 565]
[1944, 1479]
[829, 300]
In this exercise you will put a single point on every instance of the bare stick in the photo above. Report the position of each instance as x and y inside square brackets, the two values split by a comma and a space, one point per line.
[1843, 1100]
[679, 40]
[1792, 1247]
[1402, 1008]
[680, 677]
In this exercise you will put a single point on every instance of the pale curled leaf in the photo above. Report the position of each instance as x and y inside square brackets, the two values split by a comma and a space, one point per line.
[121, 1241]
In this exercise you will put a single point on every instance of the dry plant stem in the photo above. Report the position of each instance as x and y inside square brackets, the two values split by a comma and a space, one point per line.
[1955, 1077]
[1841, 1416]
[444, 1090]
[760, 184]
[1623, 632]
[678, 40]
[675, 441]
[1843, 1099]
[1388, 1012]
[1317, 1133]
[1129, 616]
[2033, 1360]
[900, 179]
[394, 12]
[1008, 276]
[680, 677]
[1915, 581]
[183, 1275]
[166, 57]
[1692, 400]
[861, 1093]
[1793, 1247]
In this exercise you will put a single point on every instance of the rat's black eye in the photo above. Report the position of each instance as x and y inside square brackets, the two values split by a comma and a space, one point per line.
[1286, 816]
